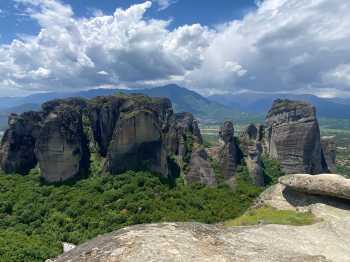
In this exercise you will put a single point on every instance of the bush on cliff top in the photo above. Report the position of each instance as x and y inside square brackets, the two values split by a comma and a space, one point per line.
[35, 218]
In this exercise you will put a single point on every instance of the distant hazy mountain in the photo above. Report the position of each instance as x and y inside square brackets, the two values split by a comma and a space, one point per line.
[260, 103]
[182, 99]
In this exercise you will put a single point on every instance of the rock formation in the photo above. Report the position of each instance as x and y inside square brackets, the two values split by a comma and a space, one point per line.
[137, 144]
[17, 145]
[293, 137]
[61, 146]
[326, 195]
[131, 132]
[251, 144]
[329, 152]
[200, 169]
[182, 132]
[167, 242]
[324, 184]
[229, 156]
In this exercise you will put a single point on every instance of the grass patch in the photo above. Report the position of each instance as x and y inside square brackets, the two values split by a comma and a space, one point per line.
[269, 215]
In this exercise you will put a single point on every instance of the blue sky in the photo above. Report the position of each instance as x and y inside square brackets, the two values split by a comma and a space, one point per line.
[206, 12]
[233, 46]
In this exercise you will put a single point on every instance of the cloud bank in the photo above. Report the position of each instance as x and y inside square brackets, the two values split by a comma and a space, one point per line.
[284, 45]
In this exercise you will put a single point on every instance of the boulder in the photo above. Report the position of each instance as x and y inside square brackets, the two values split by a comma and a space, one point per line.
[17, 144]
[137, 144]
[200, 169]
[293, 137]
[169, 242]
[329, 150]
[61, 147]
[229, 156]
[324, 184]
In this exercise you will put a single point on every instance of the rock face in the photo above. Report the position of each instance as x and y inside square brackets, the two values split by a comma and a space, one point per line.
[229, 156]
[294, 137]
[131, 132]
[324, 184]
[17, 145]
[137, 144]
[323, 242]
[327, 207]
[200, 169]
[103, 114]
[329, 151]
[182, 131]
[61, 147]
[251, 143]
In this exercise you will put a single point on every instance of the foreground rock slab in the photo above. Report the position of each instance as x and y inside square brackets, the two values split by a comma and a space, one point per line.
[324, 184]
[327, 241]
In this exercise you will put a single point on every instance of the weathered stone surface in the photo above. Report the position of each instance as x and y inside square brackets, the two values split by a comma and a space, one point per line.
[103, 114]
[324, 184]
[132, 132]
[329, 150]
[137, 144]
[294, 137]
[17, 145]
[229, 156]
[327, 241]
[324, 207]
[251, 141]
[61, 147]
[182, 127]
[200, 169]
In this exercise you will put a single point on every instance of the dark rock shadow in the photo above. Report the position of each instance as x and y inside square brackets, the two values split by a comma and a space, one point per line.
[299, 199]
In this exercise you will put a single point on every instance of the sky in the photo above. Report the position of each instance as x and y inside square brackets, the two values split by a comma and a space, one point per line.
[222, 46]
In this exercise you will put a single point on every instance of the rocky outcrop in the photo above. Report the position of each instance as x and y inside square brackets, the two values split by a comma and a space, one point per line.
[200, 169]
[293, 137]
[329, 150]
[323, 242]
[137, 144]
[229, 156]
[182, 132]
[325, 196]
[103, 114]
[324, 184]
[17, 145]
[130, 132]
[251, 144]
[61, 147]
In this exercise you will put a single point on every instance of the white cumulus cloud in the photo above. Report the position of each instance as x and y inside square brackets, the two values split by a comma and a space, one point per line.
[164, 4]
[123, 48]
[283, 46]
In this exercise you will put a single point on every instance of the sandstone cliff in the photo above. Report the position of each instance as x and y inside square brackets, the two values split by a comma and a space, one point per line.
[293, 137]
[252, 144]
[229, 156]
[131, 132]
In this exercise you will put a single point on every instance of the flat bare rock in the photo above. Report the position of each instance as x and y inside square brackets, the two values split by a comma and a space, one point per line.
[324, 184]
[168, 242]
